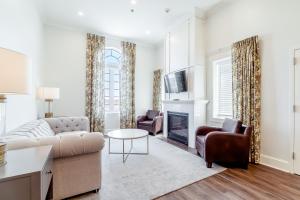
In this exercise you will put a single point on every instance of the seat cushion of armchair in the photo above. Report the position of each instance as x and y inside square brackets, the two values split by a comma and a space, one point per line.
[200, 139]
[200, 142]
[146, 123]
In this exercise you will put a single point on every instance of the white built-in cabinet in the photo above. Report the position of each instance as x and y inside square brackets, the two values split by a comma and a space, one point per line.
[185, 45]
[178, 41]
[185, 49]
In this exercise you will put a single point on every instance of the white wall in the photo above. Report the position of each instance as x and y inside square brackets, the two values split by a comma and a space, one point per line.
[160, 55]
[276, 24]
[145, 65]
[64, 67]
[21, 30]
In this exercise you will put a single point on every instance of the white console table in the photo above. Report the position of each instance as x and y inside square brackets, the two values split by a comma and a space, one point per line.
[27, 174]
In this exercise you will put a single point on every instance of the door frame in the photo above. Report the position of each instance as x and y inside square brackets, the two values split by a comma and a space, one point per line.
[291, 105]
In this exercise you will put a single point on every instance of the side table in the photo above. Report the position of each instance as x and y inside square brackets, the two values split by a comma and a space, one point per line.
[27, 174]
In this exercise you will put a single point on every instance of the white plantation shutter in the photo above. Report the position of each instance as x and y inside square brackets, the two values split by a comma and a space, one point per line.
[223, 88]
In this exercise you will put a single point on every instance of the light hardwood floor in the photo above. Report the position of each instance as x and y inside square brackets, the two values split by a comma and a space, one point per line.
[258, 182]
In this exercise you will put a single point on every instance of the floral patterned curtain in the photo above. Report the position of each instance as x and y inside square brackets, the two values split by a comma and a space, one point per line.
[127, 86]
[157, 90]
[246, 70]
[95, 81]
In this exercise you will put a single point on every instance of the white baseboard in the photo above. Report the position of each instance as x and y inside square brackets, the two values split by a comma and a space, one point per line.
[276, 163]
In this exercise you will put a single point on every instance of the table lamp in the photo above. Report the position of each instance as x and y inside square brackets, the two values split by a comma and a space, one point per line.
[48, 94]
[14, 79]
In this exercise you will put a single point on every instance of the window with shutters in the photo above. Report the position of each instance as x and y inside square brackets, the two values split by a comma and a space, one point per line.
[222, 85]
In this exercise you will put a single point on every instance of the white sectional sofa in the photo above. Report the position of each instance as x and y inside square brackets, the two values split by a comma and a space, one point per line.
[77, 152]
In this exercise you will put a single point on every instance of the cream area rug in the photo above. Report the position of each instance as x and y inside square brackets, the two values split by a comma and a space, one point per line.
[143, 177]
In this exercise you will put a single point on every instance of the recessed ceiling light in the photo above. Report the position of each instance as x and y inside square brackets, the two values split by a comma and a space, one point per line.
[148, 32]
[80, 13]
[133, 2]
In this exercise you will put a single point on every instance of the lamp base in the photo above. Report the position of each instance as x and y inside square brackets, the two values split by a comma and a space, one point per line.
[49, 115]
[2, 114]
[2, 98]
[2, 164]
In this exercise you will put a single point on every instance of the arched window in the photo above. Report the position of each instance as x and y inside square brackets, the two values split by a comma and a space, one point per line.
[112, 80]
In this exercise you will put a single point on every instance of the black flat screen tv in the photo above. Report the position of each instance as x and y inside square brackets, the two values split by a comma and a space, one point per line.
[176, 82]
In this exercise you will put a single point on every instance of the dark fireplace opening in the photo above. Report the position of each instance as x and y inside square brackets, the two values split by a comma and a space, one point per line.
[178, 126]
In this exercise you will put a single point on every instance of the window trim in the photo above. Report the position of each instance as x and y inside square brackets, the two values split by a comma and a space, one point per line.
[216, 88]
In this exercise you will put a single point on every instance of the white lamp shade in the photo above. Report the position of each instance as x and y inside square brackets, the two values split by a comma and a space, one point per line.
[48, 93]
[14, 72]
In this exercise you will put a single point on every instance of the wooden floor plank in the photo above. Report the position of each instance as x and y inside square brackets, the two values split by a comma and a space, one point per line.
[258, 182]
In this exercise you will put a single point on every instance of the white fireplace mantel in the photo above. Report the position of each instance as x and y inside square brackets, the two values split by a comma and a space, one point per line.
[178, 102]
[204, 101]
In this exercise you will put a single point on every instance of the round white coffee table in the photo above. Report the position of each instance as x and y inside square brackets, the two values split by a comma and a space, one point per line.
[128, 134]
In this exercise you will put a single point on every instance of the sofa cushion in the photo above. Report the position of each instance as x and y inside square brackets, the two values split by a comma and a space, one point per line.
[36, 128]
[151, 114]
[200, 139]
[231, 125]
[42, 129]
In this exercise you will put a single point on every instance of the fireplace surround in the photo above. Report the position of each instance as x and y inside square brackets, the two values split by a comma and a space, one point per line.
[196, 111]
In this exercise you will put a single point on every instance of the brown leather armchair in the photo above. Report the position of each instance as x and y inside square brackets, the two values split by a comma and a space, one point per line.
[151, 122]
[229, 144]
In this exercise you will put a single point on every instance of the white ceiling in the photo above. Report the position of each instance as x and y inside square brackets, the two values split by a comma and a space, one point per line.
[113, 17]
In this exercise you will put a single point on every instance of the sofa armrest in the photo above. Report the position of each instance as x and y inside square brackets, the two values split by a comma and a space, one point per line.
[80, 143]
[21, 143]
[68, 124]
[204, 130]
[158, 119]
[141, 118]
[63, 145]
[158, 123]
[226, 144]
